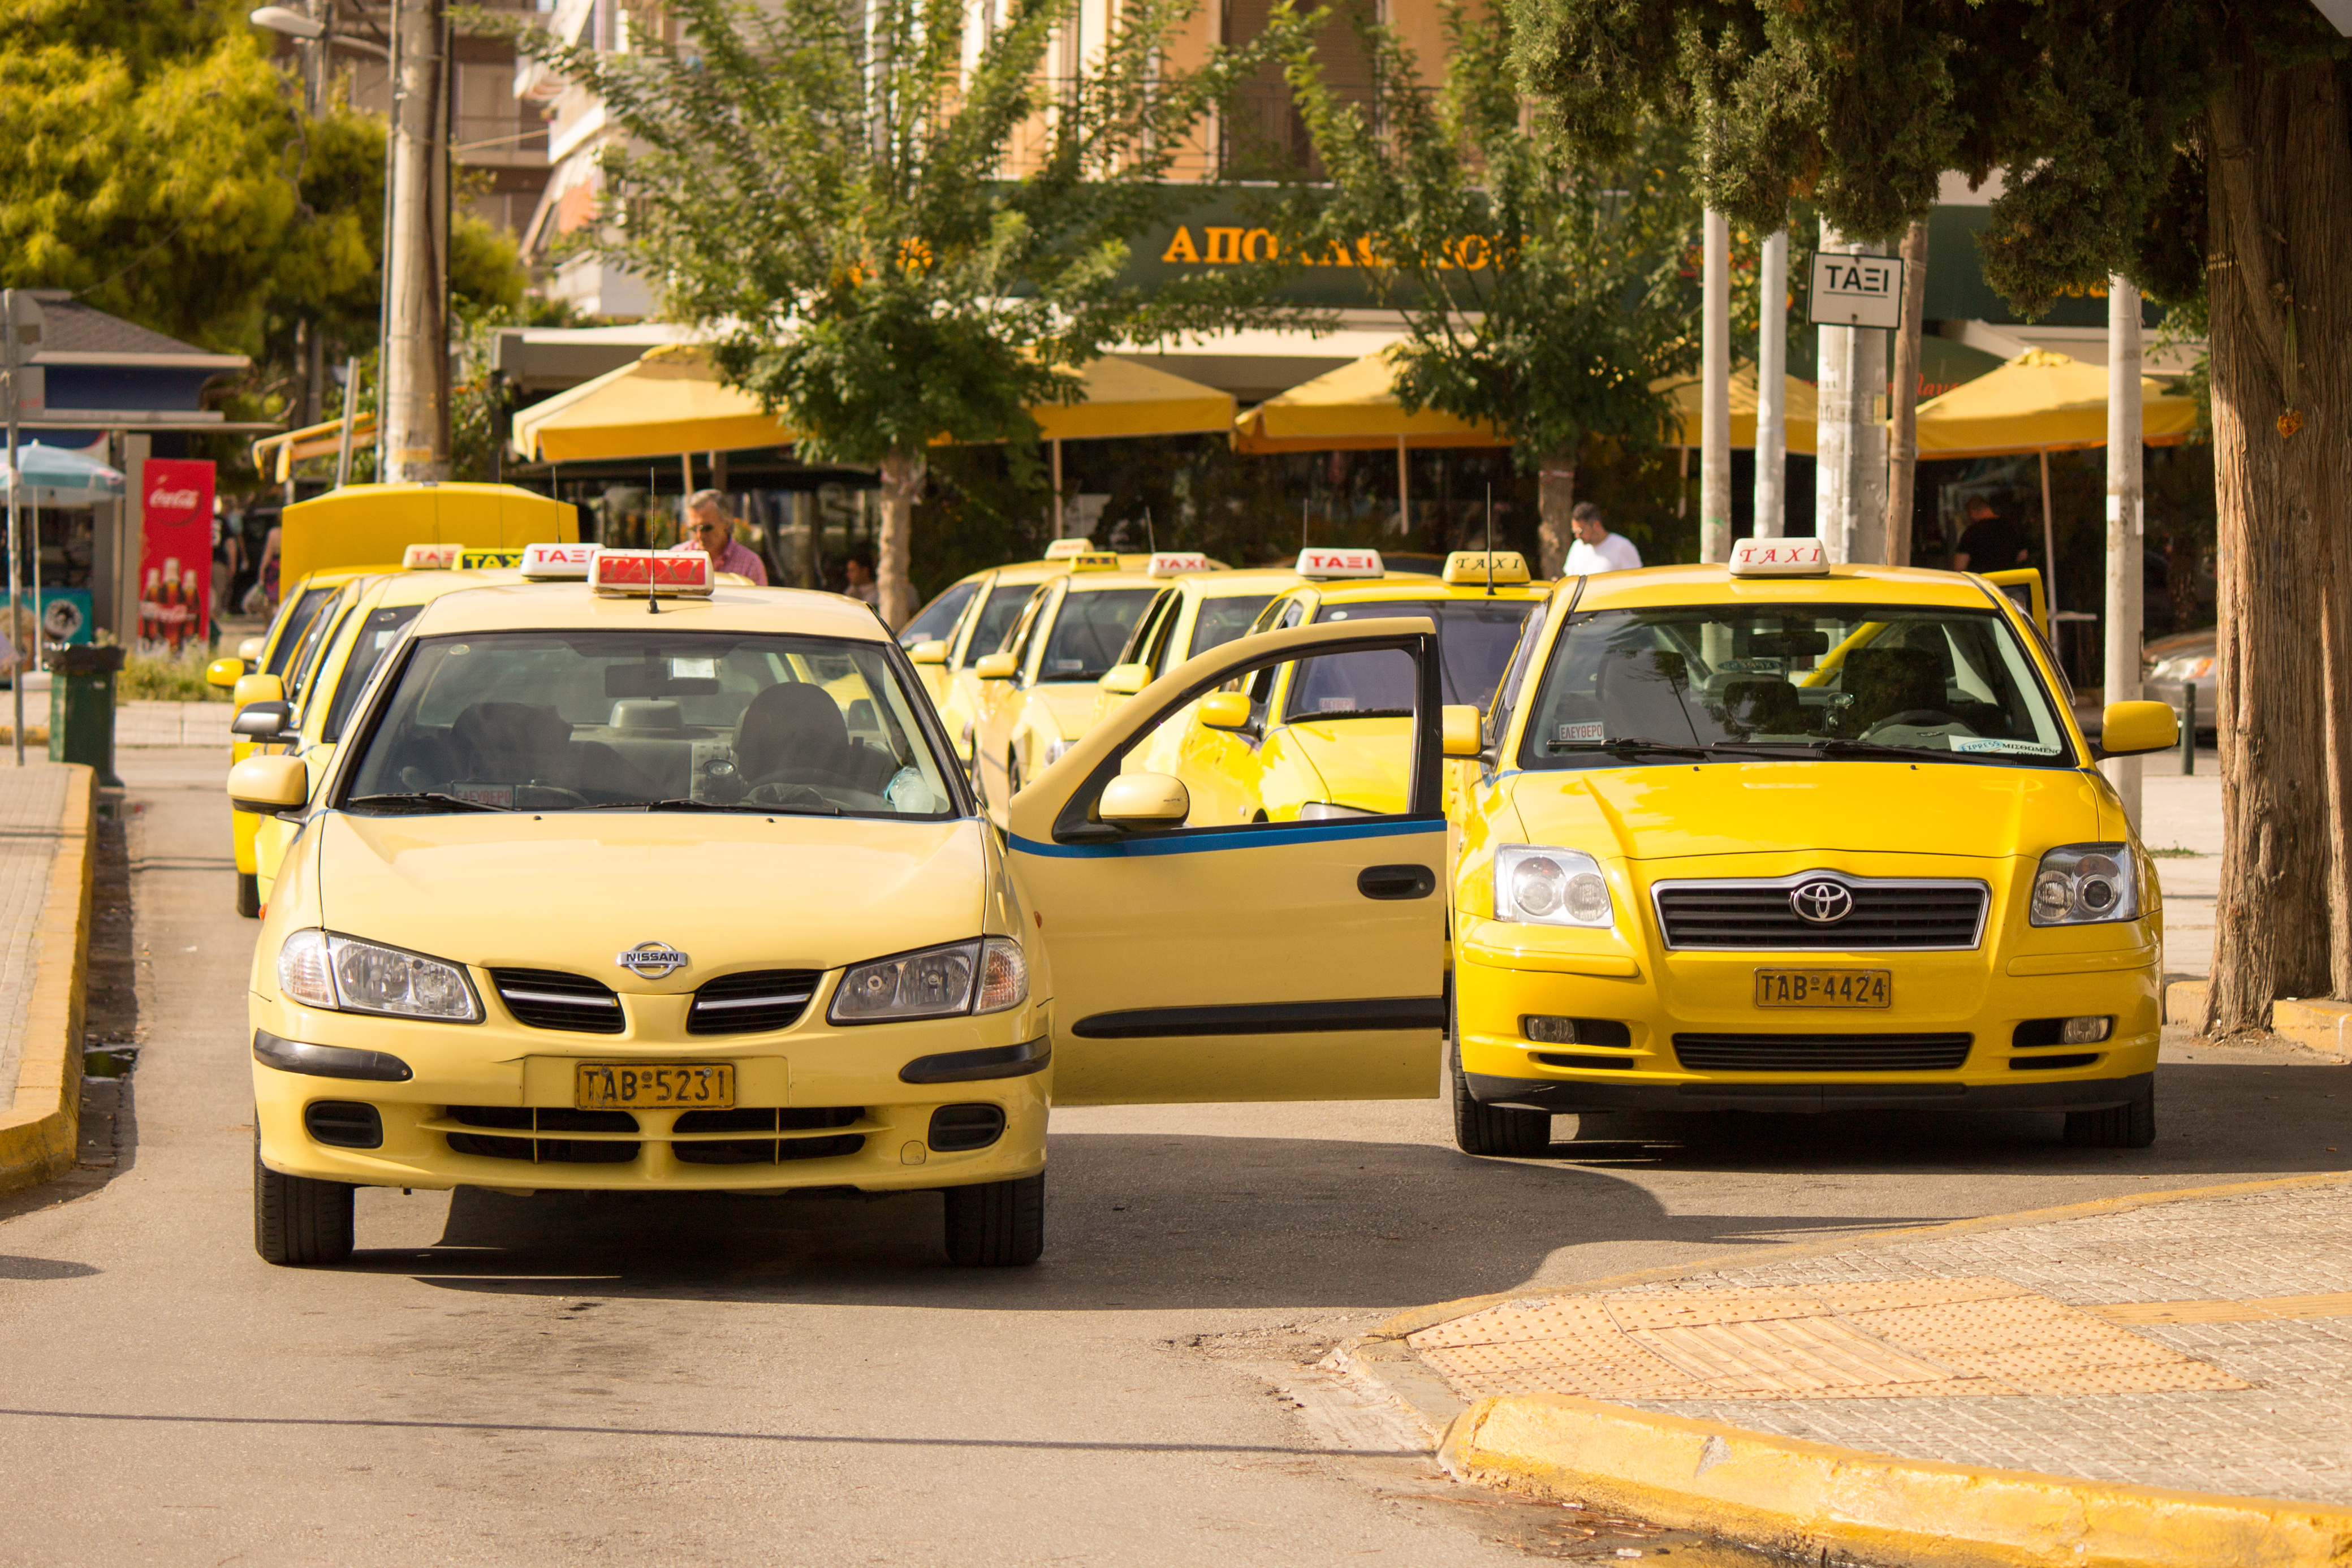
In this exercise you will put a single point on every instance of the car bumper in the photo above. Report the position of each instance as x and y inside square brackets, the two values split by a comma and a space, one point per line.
[471, 1115]
[1942, 995]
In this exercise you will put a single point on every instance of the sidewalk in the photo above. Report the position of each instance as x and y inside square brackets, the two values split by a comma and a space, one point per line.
[2201, 1343]
[2179, 813]
[45, 889]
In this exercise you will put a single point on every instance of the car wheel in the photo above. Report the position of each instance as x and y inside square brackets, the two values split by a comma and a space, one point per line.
[298, 1221]
[248, 895]
[2126, 1126]
[1507, 1131]
[997, 1223]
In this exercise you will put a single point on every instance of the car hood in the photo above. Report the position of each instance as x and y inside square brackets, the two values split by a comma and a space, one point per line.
[566, 891]
[1070, 705]
[1366, 763]
[1726, 808]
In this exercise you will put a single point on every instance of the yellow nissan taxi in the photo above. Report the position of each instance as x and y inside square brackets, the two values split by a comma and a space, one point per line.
[1330, 740]
[614, 885]
[1794, 837]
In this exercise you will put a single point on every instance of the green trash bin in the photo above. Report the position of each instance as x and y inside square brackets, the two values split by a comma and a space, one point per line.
[81, 706]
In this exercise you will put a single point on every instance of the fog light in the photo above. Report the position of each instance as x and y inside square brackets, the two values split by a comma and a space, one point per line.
[2084, 1030]
[1550, 1031]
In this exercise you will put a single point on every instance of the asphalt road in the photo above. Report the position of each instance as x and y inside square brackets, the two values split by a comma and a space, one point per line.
[727, 1380]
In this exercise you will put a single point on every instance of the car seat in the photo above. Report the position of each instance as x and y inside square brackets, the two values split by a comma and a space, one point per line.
[794, 733]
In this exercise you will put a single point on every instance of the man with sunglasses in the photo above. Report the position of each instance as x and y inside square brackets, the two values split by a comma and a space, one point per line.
[709, 529]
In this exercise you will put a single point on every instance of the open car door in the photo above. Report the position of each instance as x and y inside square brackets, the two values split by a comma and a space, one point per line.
[1293, 960]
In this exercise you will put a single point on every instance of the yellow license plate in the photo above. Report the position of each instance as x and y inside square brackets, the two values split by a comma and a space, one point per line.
[1820, 988]
[636, 1086]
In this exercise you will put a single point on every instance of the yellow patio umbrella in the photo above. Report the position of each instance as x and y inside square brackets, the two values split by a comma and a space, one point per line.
[1123, 398]
[2041, 402]
[1799, 403]
[1354, 408]
[669, 401]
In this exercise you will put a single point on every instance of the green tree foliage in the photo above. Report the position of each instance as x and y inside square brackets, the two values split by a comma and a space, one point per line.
[828, 191]
[1541, 293]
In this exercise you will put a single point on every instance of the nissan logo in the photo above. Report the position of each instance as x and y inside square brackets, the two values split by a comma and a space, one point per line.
[1822, 901]
[652, 960]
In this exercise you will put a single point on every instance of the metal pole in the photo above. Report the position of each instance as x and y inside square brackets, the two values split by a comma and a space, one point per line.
[412, 421]
[9, 360]
[1714, 393]
[1404, 490]
[1059, 518]
[351, 411]
[2187, 728]
[2125, 506]
[1771, 390]
[39, 663]
[1903, 461]
[2048, 548]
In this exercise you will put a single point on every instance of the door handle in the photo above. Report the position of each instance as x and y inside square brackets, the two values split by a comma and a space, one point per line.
[1396, 882]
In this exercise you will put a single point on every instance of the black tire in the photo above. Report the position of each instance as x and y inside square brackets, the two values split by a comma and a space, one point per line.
[248, 895]
[997, 1223]
[2127, 1126]
[297, 1222]
[1507, 1131]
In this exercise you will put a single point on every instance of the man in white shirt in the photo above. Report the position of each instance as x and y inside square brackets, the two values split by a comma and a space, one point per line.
[1596, 549]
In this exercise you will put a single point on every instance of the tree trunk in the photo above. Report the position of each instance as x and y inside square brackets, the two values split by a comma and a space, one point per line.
[1555, 499]
[1902, 427]
[902, 481]
[2280, 270]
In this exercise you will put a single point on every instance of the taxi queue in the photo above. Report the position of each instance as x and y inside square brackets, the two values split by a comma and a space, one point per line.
[590, 869]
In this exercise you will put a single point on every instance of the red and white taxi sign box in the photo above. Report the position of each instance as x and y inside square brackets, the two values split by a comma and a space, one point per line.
[1326, 564]
[642, 573]
[432, 558]
[1170, 562]
[1063, 549]
[554, 562]
[1780, 558]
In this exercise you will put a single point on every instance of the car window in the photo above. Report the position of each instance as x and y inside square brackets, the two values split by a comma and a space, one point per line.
[378, 632]
[1150, 638]
[1474, 639]
[993, 630]
[1222, 619]
[582, 720]
[321, 636]
[1090, 630]
[1799, 679]
[298, 625]
[938, 618]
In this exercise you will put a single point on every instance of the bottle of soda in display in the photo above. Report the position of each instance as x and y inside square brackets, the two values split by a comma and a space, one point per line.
[150, 607]
[167, 605]
[193, 603]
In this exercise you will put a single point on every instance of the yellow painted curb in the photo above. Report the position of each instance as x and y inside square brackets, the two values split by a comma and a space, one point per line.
[2184, 1003]
[2318, 1025]
[1796, 1496]
[39, 1133]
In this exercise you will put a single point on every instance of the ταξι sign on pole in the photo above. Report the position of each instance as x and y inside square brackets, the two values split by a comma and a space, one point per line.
[1852, 290]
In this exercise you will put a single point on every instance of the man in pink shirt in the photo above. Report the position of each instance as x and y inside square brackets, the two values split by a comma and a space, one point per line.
[709, 529]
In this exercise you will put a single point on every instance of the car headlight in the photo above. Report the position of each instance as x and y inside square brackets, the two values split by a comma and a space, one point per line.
[1544, 886]
[2082, 885]
[981, 977]
[323, 969]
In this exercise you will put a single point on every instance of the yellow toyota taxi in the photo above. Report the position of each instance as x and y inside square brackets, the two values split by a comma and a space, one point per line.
[1785, 836]
[1038, 694]
[1329, 738]
[608, 888]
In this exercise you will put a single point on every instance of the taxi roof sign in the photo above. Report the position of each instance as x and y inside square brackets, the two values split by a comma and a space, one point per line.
[645, 574]
[1469, 566]
[1169, 562]
[1063, 549]
[1094, 561]
[432, 558]
[1780, 558]
[553, 562]
[489, 559]
[1323, 565]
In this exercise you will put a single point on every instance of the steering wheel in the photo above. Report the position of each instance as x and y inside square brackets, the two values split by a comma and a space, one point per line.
[775, 794]
[1917, 717]
[572, 797]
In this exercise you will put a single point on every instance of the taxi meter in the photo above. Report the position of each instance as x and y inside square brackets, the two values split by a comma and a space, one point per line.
[1330, 565]
[643, 573]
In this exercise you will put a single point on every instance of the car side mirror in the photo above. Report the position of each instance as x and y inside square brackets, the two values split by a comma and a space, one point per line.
[263, 721]
[1126, 680]
[995, 667]
[931, 653]
[1457, 724]
[251, 689]
[269, 786]
[2127, 729]
[250, 650]
[1145, 801]
[1225, 710]
[226, 673]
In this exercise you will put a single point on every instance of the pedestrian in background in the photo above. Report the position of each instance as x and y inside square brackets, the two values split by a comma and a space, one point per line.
[1597, 550]
[858, 571]
[1990, 542]
[709, 529]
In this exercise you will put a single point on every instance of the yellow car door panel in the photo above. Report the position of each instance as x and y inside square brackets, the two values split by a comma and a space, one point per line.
[1214, 962]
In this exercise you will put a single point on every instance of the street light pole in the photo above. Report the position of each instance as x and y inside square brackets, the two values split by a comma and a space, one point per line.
[413, 421]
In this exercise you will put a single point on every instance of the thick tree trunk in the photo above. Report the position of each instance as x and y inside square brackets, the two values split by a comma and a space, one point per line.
[1902, 427]
[902, 481]
[2279, 260]
[1555, 499]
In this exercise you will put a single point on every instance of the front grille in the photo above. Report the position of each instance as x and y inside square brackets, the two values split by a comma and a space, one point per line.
[769, 1150]
[1758, 914]
[542, 1121]
[751, 1003]
[1821, 1052]
[549, 998]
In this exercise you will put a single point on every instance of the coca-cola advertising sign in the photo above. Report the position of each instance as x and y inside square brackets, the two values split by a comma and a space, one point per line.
[175, 555]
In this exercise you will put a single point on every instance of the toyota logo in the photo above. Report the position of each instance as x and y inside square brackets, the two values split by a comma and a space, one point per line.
[1822, 901]
[651, 960]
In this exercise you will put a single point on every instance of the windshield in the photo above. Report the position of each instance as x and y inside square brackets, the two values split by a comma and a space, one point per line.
[938, 617]
[324, 629]
[997, 618]
[1895, 680]
[298, 623]
[548, 721]
[1222, 619]
[1090, 630]
[1474, 639]
[380, 631]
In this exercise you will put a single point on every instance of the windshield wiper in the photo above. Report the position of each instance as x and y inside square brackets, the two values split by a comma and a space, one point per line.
[828, 809]
[427, 800]
[1319, 715]
[1832, 745]
[1629, 747]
